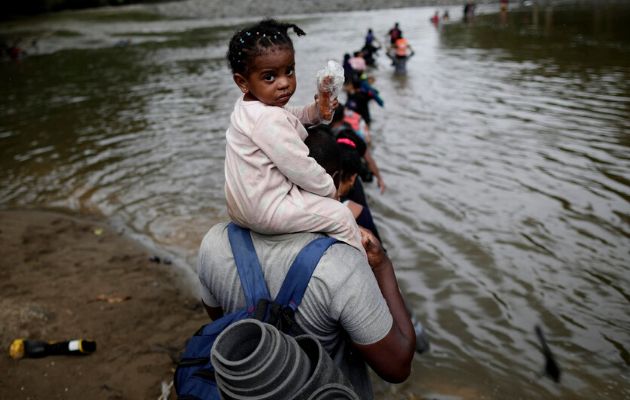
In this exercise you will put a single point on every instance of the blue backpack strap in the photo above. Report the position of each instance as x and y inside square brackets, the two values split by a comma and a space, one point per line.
[300, 272]
[248, 266]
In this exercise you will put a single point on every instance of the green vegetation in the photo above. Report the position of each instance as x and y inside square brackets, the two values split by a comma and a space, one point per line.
[66, 33]
[119, 15]
[14, 8]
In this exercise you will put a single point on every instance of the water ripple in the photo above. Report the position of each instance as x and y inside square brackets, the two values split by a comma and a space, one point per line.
[505, 153]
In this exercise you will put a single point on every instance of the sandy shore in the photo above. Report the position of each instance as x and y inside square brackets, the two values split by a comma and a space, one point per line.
[65, 276]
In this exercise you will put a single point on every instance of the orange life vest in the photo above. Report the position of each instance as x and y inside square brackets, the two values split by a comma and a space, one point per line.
[401, 47]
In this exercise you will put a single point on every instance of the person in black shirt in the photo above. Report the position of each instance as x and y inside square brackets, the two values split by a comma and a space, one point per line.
[350, 190]
[358, 100]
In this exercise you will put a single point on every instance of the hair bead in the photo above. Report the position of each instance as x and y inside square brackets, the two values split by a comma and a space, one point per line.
[244, 47]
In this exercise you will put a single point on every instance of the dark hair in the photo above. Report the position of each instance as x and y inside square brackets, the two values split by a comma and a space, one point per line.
[255, 39]
[350, 159]
[323, 148]
[338, 114]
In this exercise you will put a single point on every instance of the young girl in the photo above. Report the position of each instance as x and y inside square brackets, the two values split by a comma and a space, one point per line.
[271, 185]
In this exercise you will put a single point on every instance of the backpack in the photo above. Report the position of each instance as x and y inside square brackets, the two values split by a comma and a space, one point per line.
[194, 376]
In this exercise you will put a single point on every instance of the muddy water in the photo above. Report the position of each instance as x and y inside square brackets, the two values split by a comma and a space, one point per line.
[505, 150]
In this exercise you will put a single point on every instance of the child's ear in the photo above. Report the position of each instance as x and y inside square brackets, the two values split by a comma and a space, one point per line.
[241, 82]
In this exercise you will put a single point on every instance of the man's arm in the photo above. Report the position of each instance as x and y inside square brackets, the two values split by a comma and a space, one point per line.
[391, 356]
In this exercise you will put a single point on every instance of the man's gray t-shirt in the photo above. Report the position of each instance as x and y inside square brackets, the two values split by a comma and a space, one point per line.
[342, 302]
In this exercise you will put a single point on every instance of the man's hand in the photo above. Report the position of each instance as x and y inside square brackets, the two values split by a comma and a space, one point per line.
[375, 252]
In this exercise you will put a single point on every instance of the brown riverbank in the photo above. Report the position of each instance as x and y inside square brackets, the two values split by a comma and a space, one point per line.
[65, 276]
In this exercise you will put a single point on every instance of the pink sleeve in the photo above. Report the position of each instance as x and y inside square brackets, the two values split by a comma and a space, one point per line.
[308, 115]
[278, 138]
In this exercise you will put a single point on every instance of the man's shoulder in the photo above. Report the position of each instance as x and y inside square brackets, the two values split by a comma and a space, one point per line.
[216, 243]
[219, 233]
[340, 262]
[216, 232]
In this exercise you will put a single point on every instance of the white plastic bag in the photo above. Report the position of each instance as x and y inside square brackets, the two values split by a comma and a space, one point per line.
[329, 83]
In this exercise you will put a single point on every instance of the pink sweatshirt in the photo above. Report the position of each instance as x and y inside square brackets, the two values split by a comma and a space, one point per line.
[271, 184]
[266, 160]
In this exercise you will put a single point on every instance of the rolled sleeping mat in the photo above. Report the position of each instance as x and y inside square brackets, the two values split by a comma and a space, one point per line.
[324, 370]
[242, 347]
[333, 391]
[276, 380]
[254, 360]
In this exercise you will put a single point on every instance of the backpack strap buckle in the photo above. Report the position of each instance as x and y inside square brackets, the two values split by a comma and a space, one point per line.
[260, 313]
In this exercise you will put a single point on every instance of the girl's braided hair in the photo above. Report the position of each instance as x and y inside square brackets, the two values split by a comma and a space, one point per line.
[350, 159]
[254, 40]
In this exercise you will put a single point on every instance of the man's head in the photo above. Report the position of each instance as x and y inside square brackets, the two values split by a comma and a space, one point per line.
[338, 115]
[323, 148]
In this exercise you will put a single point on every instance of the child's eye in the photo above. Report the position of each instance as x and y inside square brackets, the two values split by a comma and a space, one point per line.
[268, 78]
[290, 71]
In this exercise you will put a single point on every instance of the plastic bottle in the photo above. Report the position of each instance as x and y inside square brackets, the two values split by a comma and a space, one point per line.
[329, 82]
[22, 348]
[325, 100]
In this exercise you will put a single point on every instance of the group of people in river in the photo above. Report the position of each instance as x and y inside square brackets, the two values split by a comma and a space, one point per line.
[353, 119]
[398, 50]
[289, 178]
[435, 18]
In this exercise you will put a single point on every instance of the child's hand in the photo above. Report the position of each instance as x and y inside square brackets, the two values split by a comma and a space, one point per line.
[373, 249]
[316, 97]
[335, 104]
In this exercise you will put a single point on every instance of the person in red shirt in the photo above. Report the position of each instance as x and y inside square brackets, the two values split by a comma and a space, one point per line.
[435, 19]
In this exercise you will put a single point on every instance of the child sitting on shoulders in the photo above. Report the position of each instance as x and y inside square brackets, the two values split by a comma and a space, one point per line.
[271, 185]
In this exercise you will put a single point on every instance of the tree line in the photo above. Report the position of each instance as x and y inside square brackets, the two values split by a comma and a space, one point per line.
[15, 8]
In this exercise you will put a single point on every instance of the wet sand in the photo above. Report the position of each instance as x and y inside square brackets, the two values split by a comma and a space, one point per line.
[65, 276]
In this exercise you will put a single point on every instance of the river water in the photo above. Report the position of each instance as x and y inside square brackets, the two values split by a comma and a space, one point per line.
[505, 150]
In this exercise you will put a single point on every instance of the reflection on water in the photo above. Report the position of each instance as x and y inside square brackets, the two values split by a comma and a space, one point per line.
[505, 151]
